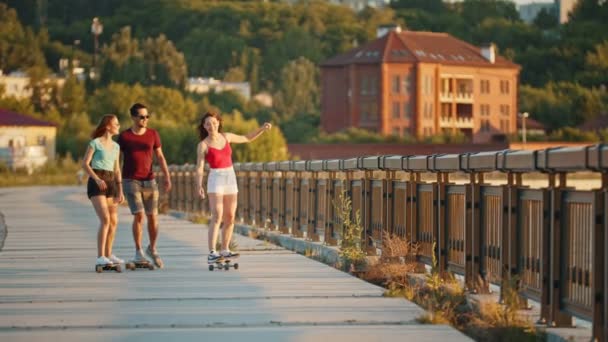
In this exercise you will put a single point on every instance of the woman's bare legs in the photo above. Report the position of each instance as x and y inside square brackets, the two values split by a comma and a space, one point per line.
[216, 209]
[113, 213]
[229, 205]
[101, 209]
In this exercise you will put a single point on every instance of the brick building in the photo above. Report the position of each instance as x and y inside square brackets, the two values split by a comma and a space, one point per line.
[420, 84]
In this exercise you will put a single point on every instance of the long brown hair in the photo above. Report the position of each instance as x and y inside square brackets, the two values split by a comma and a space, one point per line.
[102, 127]
[202, 132]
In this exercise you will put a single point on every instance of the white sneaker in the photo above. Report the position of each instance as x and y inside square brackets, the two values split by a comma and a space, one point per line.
[116, 259]
[102, 261]
[139, 256]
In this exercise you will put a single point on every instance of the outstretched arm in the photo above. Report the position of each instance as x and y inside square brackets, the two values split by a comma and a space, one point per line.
[201, 150]
[251, 136]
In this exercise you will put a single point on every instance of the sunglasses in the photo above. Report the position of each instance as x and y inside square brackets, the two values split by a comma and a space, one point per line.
[143, 117]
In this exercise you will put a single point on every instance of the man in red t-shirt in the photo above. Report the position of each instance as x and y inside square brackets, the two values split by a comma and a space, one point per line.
[139, 144]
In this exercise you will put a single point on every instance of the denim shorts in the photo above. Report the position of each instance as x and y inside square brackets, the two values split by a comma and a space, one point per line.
[111, 186]
[141, 195]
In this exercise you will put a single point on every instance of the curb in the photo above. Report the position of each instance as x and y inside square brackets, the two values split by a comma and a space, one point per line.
[315, 250]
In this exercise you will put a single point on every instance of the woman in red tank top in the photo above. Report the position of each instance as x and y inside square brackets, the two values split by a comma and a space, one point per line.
[214, 149]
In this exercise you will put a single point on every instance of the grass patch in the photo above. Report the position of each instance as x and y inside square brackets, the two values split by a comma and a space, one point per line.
[59, 172]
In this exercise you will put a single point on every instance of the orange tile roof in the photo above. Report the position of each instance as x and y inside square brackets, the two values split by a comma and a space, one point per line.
[417, 47]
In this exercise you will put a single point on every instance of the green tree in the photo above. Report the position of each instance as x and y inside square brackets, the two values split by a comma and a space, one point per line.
[270, 146]
[546, 19]
[122, 59]
[19, 46]
[72, 97]
[298, 89]
[165, 64]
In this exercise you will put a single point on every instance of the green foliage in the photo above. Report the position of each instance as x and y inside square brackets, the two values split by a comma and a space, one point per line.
[563, 104]
[359, 136]
[351, 250]
[573, 134]
[270, 146]
[298, 89]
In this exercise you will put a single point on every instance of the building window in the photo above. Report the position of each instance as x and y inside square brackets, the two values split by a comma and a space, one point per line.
[364, 81]
[428, 110]
[484, 86]
[504, 87]
[407, 112]
[41, 140]
[428, 85]
[484, 110]
[406, 84]
[396, 84]
[396, 110]
[505, 110]
[373, 85]
[369, 112]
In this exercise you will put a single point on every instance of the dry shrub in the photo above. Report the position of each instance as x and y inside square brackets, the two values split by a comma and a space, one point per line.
[395, 262]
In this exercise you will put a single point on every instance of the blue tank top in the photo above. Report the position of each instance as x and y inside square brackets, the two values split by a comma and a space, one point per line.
[103, 159]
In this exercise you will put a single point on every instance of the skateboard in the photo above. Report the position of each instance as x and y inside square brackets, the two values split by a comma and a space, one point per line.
[108, 267]
[223, 264]
[132, 265]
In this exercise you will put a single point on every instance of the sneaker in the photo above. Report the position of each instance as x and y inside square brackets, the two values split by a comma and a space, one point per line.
[154, 256]
[116, 259]
[139, 257]
[213, 257]
[229, 254]
[103, 261]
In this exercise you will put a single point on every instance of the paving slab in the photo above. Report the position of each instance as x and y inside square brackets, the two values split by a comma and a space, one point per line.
[49, 290]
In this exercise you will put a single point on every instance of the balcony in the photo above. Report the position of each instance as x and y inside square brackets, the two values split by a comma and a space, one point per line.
[461, 122]
[465, 97]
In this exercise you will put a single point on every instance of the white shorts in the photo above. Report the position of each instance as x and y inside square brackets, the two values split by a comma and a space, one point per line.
[222, 181]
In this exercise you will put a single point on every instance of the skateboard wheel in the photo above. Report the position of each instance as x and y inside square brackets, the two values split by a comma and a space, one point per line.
[226, 267]
[98, 269]
[210, 267]
[118, 269]
[151, 267]
[130, 266]
[236, 266]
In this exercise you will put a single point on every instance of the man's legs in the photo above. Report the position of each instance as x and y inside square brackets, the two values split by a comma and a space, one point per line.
[152, 230]
[138, 219]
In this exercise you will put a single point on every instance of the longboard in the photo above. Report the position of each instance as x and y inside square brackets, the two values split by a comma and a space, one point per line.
[132, 265]
[108, 267]
[223, 264]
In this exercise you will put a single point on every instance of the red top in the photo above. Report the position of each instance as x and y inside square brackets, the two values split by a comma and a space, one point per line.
[219, 158]
[138, 152]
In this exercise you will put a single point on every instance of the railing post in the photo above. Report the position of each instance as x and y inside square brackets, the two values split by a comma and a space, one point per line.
[557, 318]
[440, 224]
[473, 278]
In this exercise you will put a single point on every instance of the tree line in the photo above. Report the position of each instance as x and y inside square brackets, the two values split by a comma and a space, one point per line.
[148, 48]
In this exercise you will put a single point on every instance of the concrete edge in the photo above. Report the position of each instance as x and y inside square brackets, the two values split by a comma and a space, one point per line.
[3, 231]
[316, 250]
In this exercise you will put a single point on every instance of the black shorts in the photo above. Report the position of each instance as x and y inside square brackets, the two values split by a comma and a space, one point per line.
[108, 177]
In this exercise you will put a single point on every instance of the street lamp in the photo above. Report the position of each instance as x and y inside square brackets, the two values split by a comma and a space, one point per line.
[96, 30]
[523, 117]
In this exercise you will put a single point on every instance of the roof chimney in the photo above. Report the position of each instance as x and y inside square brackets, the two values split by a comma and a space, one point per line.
[488, 51]
[383, 30]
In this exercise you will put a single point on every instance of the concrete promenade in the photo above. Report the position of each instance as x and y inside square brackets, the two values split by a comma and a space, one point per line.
[49, 290]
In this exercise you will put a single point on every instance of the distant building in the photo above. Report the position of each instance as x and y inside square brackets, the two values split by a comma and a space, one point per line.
[25, 142]
[203, 85]
[356, 5]
[533, 127]
[528, 12]
[16, 84]
[561, 9]
[421, 84]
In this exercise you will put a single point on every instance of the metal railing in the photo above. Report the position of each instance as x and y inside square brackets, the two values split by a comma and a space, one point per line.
[553, 238]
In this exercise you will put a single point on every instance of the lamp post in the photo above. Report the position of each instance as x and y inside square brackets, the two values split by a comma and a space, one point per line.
[523, 117]
[96, 30]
